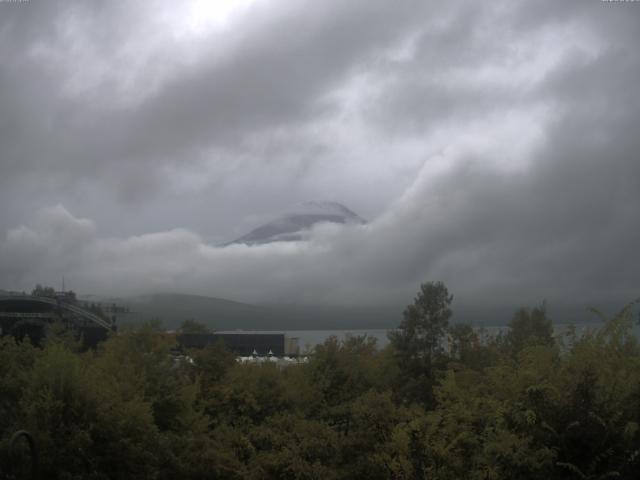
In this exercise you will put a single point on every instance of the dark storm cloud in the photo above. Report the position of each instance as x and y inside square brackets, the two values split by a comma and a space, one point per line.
[492, 145]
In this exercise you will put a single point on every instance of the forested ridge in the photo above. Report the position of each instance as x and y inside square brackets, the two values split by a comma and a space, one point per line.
[520, 405]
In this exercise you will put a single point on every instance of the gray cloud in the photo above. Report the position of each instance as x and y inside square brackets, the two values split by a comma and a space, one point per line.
[492, 146]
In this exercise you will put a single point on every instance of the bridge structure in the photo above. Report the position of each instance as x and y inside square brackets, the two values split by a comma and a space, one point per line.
[31, 315]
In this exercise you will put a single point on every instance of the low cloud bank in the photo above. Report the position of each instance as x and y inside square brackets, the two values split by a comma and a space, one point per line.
[564, 231]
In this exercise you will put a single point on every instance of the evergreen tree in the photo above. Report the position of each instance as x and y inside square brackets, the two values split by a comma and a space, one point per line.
[418, 341]
[530, 327]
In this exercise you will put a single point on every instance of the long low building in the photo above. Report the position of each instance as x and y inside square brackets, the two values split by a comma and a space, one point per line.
[245, 343]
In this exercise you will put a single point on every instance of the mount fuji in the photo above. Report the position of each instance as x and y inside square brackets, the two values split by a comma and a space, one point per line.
[291, 226]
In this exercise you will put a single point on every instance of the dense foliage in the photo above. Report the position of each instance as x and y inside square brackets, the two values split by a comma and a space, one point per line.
[522, 405]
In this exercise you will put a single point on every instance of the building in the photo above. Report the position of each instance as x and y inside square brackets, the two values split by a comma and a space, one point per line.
[31, 316]
[245, 344]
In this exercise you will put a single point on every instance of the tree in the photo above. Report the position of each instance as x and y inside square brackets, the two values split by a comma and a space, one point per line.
[40, 291]
[418, 340]
[463, 342]
[530, 327]
[193, 326]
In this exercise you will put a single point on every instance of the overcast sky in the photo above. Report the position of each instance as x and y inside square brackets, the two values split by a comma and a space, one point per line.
[493, 145]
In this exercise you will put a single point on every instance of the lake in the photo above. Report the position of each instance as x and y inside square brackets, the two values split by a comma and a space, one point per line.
[310, 338]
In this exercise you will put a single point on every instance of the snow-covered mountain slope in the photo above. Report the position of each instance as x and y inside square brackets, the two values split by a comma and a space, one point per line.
[290, 227]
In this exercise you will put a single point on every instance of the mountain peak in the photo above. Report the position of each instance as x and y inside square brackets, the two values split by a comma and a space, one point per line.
[290, 226]
[322, 207]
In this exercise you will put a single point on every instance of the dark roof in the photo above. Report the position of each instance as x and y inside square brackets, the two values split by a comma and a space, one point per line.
[240, 343]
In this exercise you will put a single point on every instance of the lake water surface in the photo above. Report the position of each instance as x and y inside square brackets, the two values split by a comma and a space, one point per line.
[310, 338]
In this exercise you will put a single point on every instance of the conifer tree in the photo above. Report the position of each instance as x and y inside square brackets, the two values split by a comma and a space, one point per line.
[418, 340]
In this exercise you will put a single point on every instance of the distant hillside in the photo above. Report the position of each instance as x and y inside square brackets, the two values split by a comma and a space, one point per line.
[173, 308]
[222, 314]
